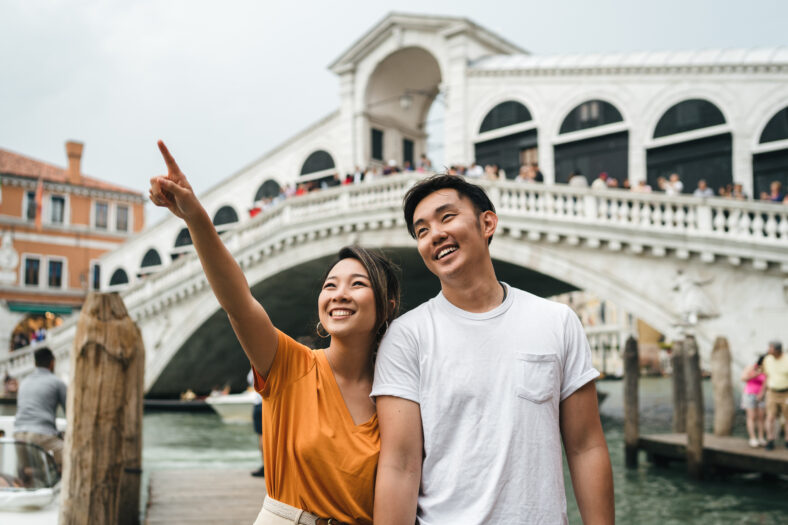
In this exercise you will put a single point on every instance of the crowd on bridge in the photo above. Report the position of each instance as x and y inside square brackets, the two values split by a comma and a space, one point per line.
[528, 173]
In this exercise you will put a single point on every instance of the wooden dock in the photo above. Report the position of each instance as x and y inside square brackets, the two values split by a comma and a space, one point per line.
[719, 453]
[204, 497]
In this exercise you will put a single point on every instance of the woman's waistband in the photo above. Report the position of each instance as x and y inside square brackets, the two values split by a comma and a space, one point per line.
[297, 516]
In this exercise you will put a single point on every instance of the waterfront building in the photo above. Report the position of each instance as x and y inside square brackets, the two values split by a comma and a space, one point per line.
[55, 223]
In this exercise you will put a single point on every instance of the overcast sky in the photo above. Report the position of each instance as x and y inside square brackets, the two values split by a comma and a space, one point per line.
[224, 82]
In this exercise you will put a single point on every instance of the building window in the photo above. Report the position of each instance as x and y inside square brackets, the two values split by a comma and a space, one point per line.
[32, 270]
[96, 284]
[377, 144]
[590, 114]
[102, 215]
[31, 205]
[122, 218]
[407, 152]
[55, 279]
[505, 114]
[118, 277]
[687, 116]
[317, 161]
[57, 209]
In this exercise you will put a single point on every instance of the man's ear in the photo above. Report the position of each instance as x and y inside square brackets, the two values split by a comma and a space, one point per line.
[489, 222]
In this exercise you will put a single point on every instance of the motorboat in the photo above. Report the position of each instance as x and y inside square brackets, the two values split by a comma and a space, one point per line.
[234, 408]
[29, 479]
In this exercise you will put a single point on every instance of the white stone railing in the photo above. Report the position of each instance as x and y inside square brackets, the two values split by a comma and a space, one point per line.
[712, 227]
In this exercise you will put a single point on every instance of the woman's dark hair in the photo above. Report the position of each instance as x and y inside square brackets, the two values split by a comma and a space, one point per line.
[423, 188]
[760, 359]
[384, 280]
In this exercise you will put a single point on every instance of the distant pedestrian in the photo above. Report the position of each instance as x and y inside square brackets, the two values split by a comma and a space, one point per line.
[752, 401]
[775, 365]
[600, 183]
[703, 189]
[674, 186]
[39, 396]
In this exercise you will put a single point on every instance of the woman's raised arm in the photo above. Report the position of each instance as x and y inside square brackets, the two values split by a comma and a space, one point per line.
[251, 323]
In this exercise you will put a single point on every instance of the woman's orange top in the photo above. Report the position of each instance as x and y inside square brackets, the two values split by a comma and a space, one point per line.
[316, 458]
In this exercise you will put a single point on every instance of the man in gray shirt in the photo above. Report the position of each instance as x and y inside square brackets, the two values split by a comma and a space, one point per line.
[39, 395]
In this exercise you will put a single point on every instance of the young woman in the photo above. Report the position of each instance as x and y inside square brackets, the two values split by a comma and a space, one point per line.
[320, 429]
[752, 401]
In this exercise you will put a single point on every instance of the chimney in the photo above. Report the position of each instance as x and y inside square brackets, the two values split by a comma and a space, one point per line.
[74, 152]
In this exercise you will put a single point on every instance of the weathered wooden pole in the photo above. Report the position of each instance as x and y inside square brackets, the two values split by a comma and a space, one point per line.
[103, 449]
[679, 388]
[722, 382]
[694, 409]
[631, 402]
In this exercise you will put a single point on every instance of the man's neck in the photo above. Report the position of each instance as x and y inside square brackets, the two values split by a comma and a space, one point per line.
[476, 294]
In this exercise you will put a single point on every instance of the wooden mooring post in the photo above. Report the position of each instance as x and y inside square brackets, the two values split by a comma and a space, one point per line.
[694, 420]
[722, 383]
[103, 449]
[631, 402]
[679, 388]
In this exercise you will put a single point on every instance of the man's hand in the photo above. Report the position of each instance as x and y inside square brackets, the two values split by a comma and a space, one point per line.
[173, 191]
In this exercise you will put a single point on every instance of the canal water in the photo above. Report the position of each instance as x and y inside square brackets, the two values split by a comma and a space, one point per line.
[644, 496]
[647, 495]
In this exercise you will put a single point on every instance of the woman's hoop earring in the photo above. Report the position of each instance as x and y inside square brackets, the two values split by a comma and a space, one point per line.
[320, 327]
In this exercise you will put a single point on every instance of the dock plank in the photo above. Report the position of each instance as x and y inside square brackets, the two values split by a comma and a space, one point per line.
[202, 497]
[732, 453]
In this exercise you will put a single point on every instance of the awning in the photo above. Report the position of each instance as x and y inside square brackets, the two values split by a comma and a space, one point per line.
[33, 308]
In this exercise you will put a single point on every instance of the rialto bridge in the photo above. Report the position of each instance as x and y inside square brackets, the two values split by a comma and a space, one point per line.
[718, 115]
[664, 259]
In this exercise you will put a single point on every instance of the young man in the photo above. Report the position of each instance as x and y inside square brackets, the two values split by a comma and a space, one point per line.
[39, 395]
[775, 366]
[477, 388]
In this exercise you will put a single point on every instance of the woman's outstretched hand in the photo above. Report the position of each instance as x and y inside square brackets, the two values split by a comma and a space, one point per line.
[173, 191]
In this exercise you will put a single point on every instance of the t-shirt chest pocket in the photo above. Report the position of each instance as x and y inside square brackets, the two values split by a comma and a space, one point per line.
[536, 376]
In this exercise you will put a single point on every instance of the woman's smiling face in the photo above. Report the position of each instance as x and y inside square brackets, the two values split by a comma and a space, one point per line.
[346, 304]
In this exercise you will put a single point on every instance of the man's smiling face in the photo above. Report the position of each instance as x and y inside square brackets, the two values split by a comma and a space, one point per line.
[450, 235]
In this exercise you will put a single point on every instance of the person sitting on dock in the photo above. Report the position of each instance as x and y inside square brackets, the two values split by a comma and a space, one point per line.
[320, 429]
[39, 395]
[775, 366]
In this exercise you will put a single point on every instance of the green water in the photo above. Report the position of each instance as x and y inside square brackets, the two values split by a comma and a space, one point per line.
[647, 495]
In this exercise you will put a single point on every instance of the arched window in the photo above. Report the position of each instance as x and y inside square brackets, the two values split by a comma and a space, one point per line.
[318, 161]
[707, 158]
[225, 215]
[771, 165]
[510, 151]
[184, 238]
[151, 258]
[687, 116]
[604, 152]
[590, 114]
[505, 114]
[777, 128]
[268, 190]
[118, 277]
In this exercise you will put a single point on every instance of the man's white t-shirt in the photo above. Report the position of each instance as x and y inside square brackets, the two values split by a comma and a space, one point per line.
[489, 387]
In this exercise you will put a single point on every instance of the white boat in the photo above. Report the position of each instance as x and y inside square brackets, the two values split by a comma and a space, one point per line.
[234, 408]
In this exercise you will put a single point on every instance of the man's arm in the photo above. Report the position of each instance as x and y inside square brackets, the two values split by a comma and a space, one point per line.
[587, 455]
[399, 466]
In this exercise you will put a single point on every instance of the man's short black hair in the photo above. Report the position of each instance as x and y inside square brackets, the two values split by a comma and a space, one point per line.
[423, 188]
[43, 357]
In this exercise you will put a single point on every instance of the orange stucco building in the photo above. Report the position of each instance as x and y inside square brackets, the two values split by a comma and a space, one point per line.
[55, 223]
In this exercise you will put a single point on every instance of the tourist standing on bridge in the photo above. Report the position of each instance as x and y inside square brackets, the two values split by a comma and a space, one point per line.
[320, 430]
[477, 388]
[775, 366]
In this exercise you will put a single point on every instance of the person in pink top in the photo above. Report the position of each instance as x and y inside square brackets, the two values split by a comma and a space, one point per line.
[752, 401]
